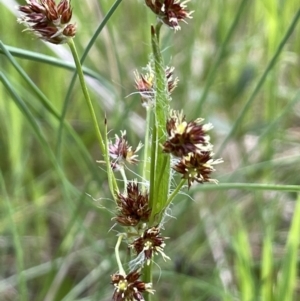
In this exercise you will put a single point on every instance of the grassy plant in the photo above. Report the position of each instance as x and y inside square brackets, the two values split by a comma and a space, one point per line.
[237, 65]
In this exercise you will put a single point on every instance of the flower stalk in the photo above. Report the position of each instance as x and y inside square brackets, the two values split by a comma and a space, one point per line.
[102, 144]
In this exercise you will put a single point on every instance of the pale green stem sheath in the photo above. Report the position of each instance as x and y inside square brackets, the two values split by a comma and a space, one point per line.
[160, 165]
[146, 147]
[120, 266]
[160, 190]
[102, 143]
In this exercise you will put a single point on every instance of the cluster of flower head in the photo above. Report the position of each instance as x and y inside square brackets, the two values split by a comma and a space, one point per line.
[133, 212]
[189, 143]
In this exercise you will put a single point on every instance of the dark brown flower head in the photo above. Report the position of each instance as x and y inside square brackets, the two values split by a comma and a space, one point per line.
[129, 287]
[48, 21]
[133, 206]
[151, 242]
[145, 84]
[121, 152]
[186, 137]
[197, 167]
[170, 12]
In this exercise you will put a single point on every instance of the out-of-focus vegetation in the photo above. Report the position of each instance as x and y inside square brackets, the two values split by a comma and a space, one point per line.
[238, 65]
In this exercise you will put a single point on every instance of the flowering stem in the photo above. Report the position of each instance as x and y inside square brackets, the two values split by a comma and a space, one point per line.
[102, 143]
[160, 186]
[121, 269]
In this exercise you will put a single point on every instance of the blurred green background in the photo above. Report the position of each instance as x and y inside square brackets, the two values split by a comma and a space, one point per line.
[239, 68]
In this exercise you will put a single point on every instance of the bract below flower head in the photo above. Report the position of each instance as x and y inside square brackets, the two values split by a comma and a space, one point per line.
[48, 21]
[170, 12]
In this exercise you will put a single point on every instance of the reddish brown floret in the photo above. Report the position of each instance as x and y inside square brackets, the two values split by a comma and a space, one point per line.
[170, 12]
[186, 137]
[197, 167]
[129, 287]
[121, 152]
[49, 21]
[133, 207]
[151, 242]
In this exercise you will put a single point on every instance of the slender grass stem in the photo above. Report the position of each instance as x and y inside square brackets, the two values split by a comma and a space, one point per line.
[102, 143]
[120, 266]
[86, 95]
[247, 186]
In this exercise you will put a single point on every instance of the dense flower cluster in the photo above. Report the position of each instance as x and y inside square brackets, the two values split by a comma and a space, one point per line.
[170, 12]
[149, 243]
[48, 21]
[129, 288]
[133, 207]
[189, 142]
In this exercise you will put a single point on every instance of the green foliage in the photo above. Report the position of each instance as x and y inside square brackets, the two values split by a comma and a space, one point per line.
[237, 65]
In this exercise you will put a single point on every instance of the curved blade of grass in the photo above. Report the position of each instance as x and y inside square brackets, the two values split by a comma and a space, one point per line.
[213, 70]
[36, 129]
[246, 186]
[51, 109]
[260, 83]
[17, 242]
[50, 60]
[288, 273]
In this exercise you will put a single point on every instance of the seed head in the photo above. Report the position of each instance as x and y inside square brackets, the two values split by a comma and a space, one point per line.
[151, 242]
[129, 287]
[133, 206]
[48, 21]
[170, 12]
[186, 137]
[121, 152]
[197, 167]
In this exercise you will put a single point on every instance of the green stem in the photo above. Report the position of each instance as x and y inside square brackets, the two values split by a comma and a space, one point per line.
[102, 143]
[175, 192]
[147, 278]
[86, 95]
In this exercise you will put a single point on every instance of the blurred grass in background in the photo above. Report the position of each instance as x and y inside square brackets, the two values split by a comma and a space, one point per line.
[228, 242]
